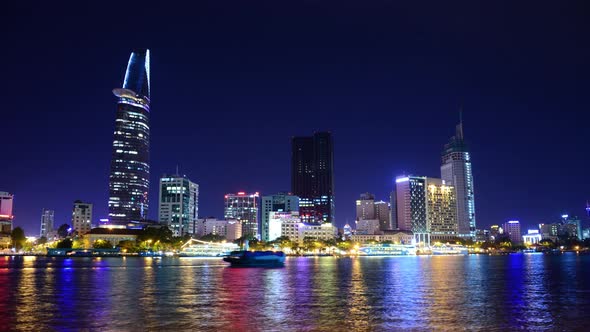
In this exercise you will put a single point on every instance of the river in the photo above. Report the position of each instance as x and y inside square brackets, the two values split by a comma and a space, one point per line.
[487, 293]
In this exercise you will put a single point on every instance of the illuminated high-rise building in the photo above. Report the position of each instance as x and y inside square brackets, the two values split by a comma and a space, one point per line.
[312, 176]
[47, 220]
[411, 203]
[6, 216]
[456, 170]
[441, 210]
[244, 208]
[512, 229]
[365, 207]
[81, 218]
[129, 180]
[179, 203]
[275, 203]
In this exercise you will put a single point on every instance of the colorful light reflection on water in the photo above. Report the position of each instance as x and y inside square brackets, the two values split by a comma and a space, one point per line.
[532, 292]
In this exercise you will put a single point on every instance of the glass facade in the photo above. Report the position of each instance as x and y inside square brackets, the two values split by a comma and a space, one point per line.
[456, 170]
[243, 207]
[179, 204]
[129, 177]
[312, 176]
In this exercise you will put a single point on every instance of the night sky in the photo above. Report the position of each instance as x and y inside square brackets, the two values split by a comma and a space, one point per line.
[233, 81]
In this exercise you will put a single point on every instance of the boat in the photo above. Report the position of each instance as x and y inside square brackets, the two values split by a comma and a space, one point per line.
[387, 250]
[80, 252]
[449, 249]
[198, 248]
[245, 258]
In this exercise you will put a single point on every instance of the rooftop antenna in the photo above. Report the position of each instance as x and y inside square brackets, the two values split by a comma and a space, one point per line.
[177, 170]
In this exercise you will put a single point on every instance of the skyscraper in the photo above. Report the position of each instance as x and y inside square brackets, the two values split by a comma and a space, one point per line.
[129, 179]
[47, 219]
[6, 216]
[365, 207]
[179, 203]
[512, 229]
[275, 203]
[312, 176]
[441, 210]
[382, 214]
[393, 210]
[456, 171]
[243, 207]
[81, 217]
[411, 203]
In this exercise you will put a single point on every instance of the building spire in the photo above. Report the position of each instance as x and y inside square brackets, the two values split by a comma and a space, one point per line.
[459, 129]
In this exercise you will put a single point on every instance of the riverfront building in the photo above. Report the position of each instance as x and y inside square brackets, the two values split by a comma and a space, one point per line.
[81, 218]
[179, 203]
[243, 207]
[129, 179]
[456, 171]
[512, 229]
[441, 210]
[275, 203]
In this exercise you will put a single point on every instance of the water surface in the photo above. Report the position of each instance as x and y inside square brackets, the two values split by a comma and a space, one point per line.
[515, 292]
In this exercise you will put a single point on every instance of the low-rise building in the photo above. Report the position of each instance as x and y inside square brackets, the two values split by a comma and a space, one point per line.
[532, 237]
[113, 235]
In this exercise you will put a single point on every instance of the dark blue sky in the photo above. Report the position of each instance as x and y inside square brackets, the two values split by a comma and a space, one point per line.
[233, 81]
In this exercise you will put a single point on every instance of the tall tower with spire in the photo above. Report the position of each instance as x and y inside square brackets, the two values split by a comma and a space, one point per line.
[129, 181]
[456, 170]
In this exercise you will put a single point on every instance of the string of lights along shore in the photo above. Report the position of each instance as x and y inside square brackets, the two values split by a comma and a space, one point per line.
[420, 209]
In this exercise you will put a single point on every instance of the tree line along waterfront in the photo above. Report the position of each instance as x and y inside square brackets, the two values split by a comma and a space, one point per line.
[161, 239]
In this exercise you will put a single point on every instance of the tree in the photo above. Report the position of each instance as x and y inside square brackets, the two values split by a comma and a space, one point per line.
[162, 234]
[63, 230]
[18, 238]
[102, 244]
[41, 241]
[65, 244]
[128, 246]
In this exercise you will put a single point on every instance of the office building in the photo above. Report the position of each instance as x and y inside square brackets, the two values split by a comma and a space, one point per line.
[312, 177]
[512, 230]
[289, 223]
[243, 207]
[81, 218]
[129, 179]
[441, 210]
[368, 209]
[411, 203]
[365, 207]
[550, 231]
[368, 227]
[393, 210]
[275, 203]
[178, 203]
[6, 216]
[456, 171]
[382, 214]
[47, 220]
[571, 227]
[233, 230]
[211, 226]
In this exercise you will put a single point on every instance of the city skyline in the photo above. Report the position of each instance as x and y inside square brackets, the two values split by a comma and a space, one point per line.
[511, 122]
